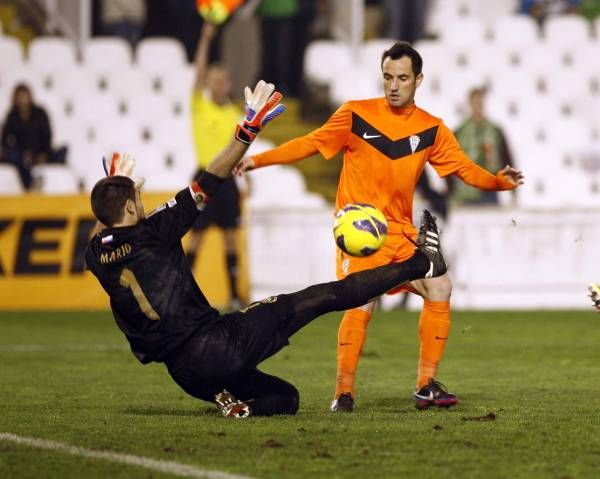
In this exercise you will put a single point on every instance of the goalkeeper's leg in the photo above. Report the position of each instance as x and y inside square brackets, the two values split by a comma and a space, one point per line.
[362, 287]
[353, 291]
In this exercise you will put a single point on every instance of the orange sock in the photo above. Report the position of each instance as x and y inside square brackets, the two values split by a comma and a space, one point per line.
[434, 327]
[351, 338]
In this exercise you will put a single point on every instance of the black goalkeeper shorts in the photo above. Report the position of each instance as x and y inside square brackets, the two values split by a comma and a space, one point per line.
[240, 341]
[223, 209]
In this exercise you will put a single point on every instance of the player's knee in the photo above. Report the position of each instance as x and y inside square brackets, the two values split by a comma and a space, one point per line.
[290, 402]
[438, 289]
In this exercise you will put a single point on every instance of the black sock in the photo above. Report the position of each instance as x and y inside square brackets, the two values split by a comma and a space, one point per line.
[355, 290]
[232, 274]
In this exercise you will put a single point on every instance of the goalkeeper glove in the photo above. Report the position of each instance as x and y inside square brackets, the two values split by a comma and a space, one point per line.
[262, 105]
[122, 164]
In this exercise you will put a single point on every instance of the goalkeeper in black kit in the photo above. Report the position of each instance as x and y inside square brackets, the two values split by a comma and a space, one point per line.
[139, 261]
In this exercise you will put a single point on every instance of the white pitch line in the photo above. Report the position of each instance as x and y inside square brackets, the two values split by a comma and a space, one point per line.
[169, 467]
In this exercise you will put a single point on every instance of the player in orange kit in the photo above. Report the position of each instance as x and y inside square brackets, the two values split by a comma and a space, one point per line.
[386, 143]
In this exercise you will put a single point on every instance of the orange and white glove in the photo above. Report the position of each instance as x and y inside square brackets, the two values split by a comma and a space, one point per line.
[122, 164]
[262, 105]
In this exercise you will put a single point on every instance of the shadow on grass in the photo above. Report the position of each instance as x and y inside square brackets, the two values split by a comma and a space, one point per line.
[164, 411]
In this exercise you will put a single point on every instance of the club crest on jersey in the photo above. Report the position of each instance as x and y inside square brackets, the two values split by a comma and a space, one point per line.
[346, 265]
[414, 142]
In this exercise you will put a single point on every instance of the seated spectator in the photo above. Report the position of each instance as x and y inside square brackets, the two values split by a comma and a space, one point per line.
[26, 136]
[485, 144]
[123, 18]
[542, 9]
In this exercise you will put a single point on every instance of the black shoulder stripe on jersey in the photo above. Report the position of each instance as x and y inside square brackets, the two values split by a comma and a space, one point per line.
[397, 149]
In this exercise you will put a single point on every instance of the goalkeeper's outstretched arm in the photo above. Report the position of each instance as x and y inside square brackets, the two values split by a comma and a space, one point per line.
[262, 105]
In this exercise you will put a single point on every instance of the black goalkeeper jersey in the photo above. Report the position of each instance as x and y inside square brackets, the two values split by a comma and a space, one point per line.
[153, 295]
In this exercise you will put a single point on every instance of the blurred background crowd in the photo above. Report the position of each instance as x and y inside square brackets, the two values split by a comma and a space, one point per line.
[518, 81]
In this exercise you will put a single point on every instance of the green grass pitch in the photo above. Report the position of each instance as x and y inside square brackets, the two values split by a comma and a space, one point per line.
[69, 377]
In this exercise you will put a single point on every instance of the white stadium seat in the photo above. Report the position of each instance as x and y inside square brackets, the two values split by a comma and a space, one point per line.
[436, 56]
[515, 30]
[583, 58]
[281, 186]
[105, 53]
[371, 51]
[56, 179]
[567, 29]
[324, 58]
[130, 80]
[10, 182]
[11, 53]
[160, 54]
[176, 82]
[464, 32]
[356, 83]
[51, 53]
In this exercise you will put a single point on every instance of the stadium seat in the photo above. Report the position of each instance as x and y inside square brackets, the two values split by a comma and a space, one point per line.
[583, 58]
[160, 54]
[11, 53]
[10, 182]
[175, 82]
[166, 168]
[520, 84]
[436, 55]
[567, 88]
[538, 57]
[105, 53]
[515, 30]
[324, 58]
[370, 52]
[355, 83]
[567, 29]
[51, 53]
[129, 81]
[73, 81]
[464, 32]
[148, 107]
[281, 186]
[56, 179]
[490, 11]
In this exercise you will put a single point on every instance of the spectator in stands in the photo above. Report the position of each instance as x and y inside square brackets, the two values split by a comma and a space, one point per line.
[590, 9]
[123, 18]
[405, 19]
[277, 23]
[26, 135]
[542, 9]
[213, 121]
[486, 144]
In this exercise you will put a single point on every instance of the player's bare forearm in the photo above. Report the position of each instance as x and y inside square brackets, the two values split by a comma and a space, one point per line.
[476, 176]
[227, 158]
[286, 153]
[201, 58]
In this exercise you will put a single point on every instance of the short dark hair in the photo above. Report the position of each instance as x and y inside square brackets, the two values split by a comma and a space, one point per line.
[109, 196]
[404, 49]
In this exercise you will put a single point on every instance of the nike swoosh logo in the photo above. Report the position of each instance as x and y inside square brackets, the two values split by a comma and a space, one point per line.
[368, 137]
[345, 344]
[437, 337]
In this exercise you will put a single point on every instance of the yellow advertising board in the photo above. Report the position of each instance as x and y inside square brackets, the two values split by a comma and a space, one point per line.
[42, 246]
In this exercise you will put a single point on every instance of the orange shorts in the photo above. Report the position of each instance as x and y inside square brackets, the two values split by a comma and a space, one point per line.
[397, 248]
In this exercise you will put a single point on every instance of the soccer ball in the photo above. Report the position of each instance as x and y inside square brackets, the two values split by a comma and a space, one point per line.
[359, 229]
